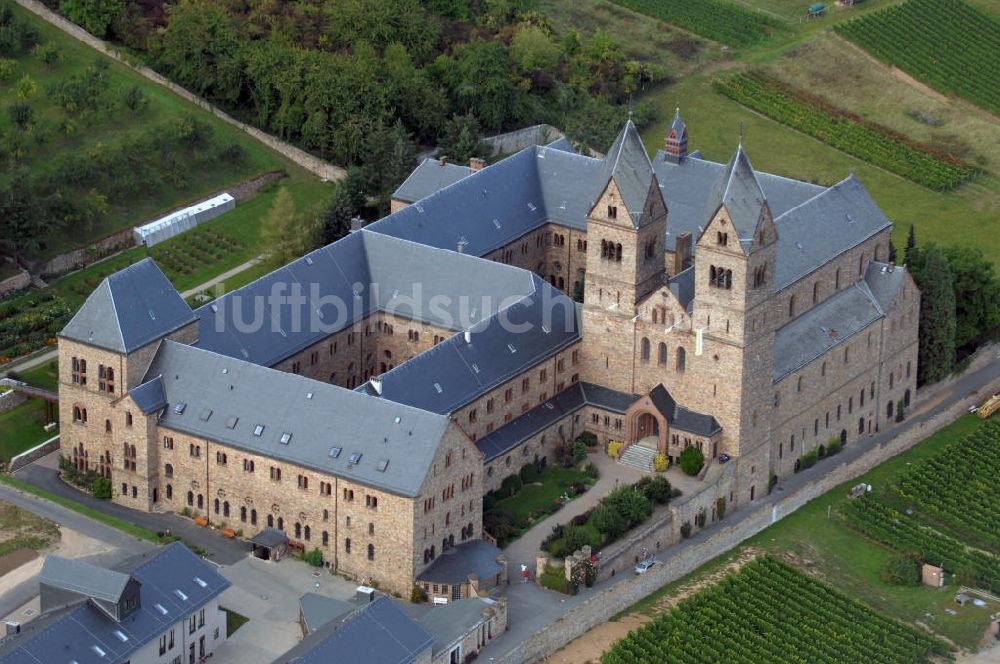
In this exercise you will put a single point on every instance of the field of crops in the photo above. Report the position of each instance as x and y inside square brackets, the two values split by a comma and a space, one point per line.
[770, 612]
[959, 486]
[718, 20]
[845, 131]
[877, 520]
[948, 44]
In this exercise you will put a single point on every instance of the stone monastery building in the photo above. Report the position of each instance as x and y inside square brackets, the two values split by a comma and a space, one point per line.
[364, 397]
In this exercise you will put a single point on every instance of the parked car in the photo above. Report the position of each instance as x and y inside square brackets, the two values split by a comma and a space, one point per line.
[723, 458]
[644, 565]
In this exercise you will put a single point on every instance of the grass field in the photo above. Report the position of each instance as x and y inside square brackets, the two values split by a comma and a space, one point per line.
[108, 127]
[20, 529]
[45, 376]
[536, 497]
[21, 428]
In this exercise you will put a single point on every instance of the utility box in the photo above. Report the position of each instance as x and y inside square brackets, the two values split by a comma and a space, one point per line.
[932, 576]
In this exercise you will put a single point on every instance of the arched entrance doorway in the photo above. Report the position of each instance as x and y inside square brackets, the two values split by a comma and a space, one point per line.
[647, 425]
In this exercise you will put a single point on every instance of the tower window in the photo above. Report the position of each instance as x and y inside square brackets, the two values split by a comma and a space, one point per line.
[612, 212]
[720, 277]
[722, 239]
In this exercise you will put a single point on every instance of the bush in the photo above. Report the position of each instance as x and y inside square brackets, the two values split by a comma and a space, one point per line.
[314, 558]
[587, 438]
[686, 529]
[418, 595]
[614, 447]
[720, 507]
[810, 458]
[510, 486]
[699, 519]
[692, 461]
[609, 522]
[590, 470]
[579, 452]
[101, 488]
[581, 519]
[900, 411]
[630, 503]
[529, 473]
[656, 489]
[833, 447]
[554, 578]
[661, 463]
[500, 524]
[489, 502]
[574, 538]
[901, 570]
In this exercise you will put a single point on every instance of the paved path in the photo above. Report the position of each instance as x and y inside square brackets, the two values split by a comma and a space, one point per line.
[222, 277]
[530, 607]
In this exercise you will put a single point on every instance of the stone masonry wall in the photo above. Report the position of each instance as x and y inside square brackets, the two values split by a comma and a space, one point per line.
[606, 603]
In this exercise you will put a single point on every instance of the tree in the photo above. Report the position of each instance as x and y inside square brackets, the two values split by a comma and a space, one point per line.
[21, 114]
[630, 503]
[389, 159]
[977, 295]
[345, 204]
[692, 460]
[48, 54]
[911, 244]
[8, 70]
[135, 99]
[285, 234]
[936, 354]
[94, 16]
[201, 47]
[462, 139]
[892, 251]
[533, 51]
[25, 88]
[24, 219]
[609, 522]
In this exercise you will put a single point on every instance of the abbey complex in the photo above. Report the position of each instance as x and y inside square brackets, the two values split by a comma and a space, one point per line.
[363, 398]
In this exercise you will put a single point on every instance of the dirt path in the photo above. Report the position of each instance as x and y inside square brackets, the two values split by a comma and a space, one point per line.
[588, 648]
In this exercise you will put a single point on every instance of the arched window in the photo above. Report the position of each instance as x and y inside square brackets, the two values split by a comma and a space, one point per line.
[190, 499]
[253, 517]
[216, 505]
[307, 533]
[836, 279]
[371, 552]
[201, 501]
[618, 252]
[326, 538]
[170, 492]
[888, 411]
[225, 508]
[712, 279]
[168, 470]
[645, 350]
[861, 425]
[681, 358]
[270, 521]
[604, 248]
[815, 292]
[656, 315]
[347, 545]
[906, 397]
[243, 513]
[662, 354]
[107, 426]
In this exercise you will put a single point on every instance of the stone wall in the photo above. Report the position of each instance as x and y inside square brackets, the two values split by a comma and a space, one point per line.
[307, 161]
[34, 454]
[516, 140]
[604, 604]
[71, 260]
[20, 280]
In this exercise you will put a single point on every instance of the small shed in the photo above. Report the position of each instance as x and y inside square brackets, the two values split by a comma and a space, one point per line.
[269, 544]
[179, 221]
[816, 10]
[932, 576]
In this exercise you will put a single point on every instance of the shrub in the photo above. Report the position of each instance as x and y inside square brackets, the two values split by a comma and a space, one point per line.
[581, 519]
[661, 463]
[833, 447]
[510, 486]
[590, 470]
[314, 558]
[901, 570]
[101, 488]
[587, 438]
[554, 578]
[692, 461]
[720, 507]
[500, 524]
[614, 447]
[574, 538]
[699, 519]
[609, 522]
[656, 489]
[686, 529]
[529, 473]
[900, 411]
[810, 458]
[579, 452]
[135, 99]
[489, 501]
[771, 483]
[630, 503]
[418, 595]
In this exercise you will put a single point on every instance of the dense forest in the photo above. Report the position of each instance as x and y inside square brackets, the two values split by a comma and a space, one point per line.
[335, 77]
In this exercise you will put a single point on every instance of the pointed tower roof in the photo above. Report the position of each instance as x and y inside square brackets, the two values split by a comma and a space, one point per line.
[628, 163]
[129, 309]
[675, 143]
[741, 193]
[677, 126]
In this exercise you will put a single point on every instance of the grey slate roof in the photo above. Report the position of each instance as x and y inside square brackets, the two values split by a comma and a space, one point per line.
[81, 577]
[149, 396]
[606, 398]
[129, 309]
[430, 176]
[387, 273]
[73, 633]
[683, 286]
[628, 164]
[270, 538]
[510, 435]
[475, 556]
[828, 324]
[687, 187]
[318, 610]
[679, 417]
[561, 143]
[220, 391]
[677, 125]
[454, 372]
[451, 622]
[819, 229]
[380, 633]
[740, 192]
[884, 284]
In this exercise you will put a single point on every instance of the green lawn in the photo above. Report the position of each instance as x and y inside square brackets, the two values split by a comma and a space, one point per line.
[537, 497]
[22, 428]
[45, 376]
[233, 621]
[826, 548]
[108, 127]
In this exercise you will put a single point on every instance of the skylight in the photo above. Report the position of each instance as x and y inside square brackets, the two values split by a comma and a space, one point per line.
[180, 593]
[356, 457]
[200, 582]
[437, 386]
[162, 609]
[511, 348]
[335, 452]
[285, 438]
[382, 465]
[98, 651]
[120, 635]
[205, 414]
[258, 430]
[179, 408]
[231, 422]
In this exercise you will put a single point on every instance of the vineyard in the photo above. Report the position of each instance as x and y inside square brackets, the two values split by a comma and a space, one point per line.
[946, 43]
[875, 519]
[771, 612]
[845, 131]
[959, 486]
[718, 20]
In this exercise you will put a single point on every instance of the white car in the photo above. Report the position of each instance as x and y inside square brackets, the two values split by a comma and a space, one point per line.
[644, 565]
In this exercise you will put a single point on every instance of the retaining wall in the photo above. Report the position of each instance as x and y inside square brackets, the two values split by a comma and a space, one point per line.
[519, 139]
[17, 282]
[34, 454]
[604, 604]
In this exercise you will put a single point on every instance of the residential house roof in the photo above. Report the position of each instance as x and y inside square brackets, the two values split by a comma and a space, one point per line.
[429, 176]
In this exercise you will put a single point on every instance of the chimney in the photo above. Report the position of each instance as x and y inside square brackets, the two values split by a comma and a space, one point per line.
[461, 246]
[357, 224]
[892, 266]
[376, 382]
[441, 161]
[476, 164]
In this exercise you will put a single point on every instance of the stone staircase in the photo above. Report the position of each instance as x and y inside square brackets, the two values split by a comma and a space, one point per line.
[638, 456]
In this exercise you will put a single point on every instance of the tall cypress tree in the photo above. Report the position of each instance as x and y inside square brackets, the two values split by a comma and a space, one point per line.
[911, 243]
[937, 319]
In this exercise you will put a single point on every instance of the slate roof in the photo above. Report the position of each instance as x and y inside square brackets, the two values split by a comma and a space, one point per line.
[606, 398]
[318, 610]
[80, 632]
[428, 177]
[225, 399]
[740, 192]
[129, 309]
[828, 324]
[884, 284]
[677, 125]
[347, 281]
[683, 287]
[149, 396]
[449, 623]
[562, 143]
[270, 538]
[475, 556]
[679, 417]
[380, 633]
[628, 165]
[81, 577]
[814, 232]
[510, 435]
[455, 371]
